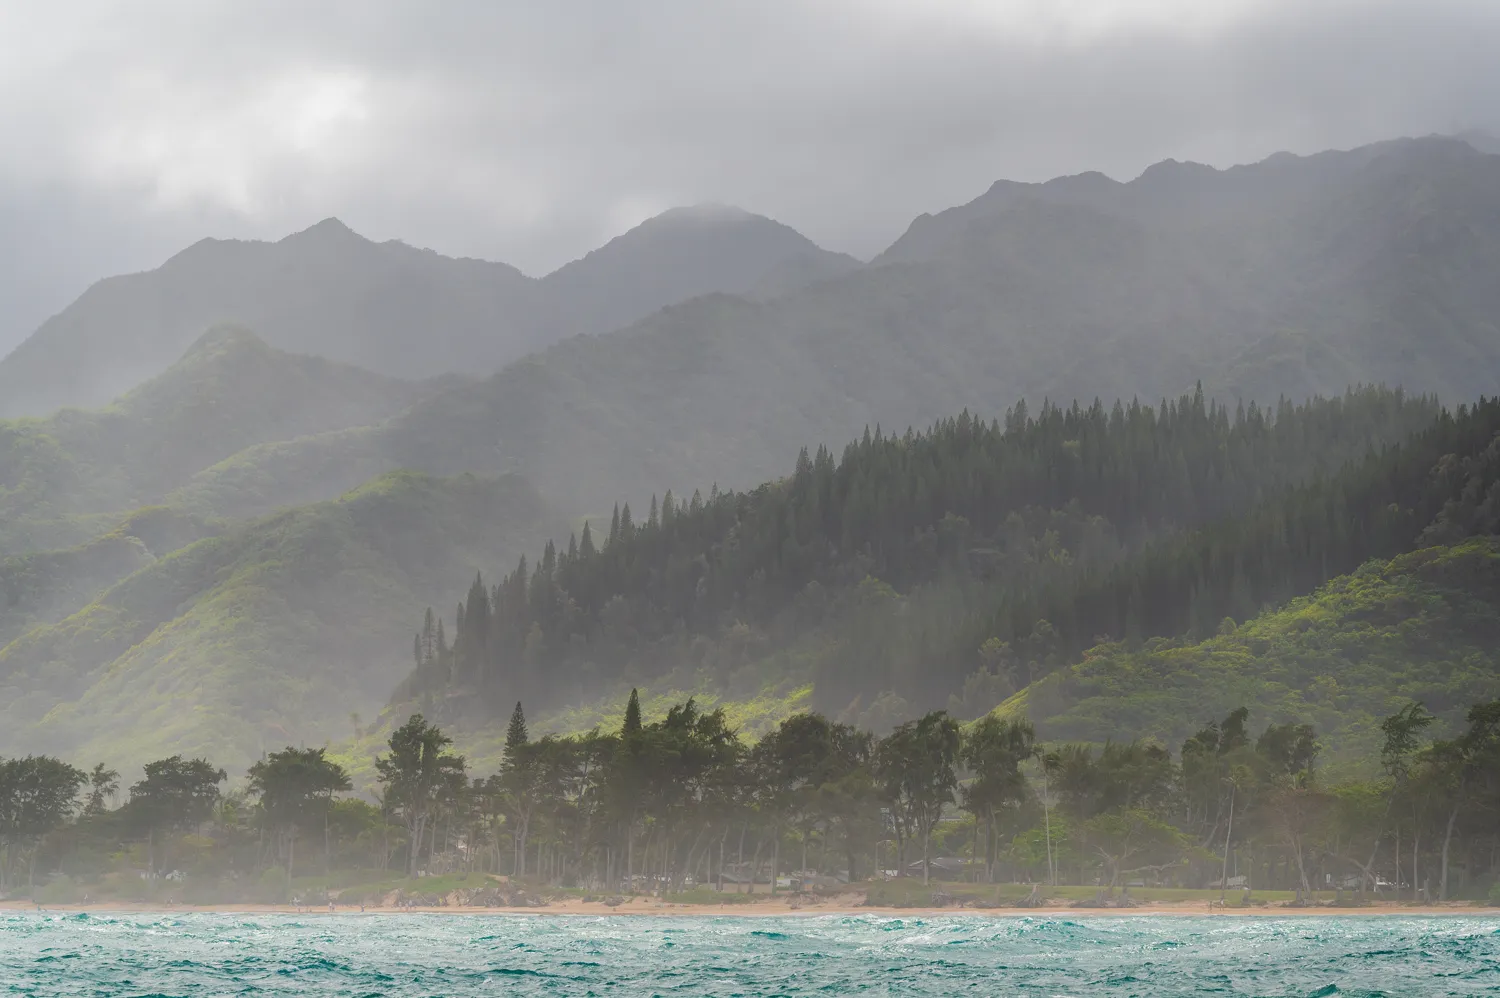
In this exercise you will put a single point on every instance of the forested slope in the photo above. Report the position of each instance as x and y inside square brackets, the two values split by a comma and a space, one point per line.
[890, 570]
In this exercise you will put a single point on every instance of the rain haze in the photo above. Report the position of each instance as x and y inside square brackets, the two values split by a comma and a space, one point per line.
[877, 459]
[532, 133]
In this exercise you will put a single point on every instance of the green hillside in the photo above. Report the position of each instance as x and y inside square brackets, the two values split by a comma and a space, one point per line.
[276, 631]
[1423, 626]
[46, 586]
[229, 391]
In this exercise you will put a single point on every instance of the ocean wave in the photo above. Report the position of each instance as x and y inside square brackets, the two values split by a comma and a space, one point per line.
[192, 954]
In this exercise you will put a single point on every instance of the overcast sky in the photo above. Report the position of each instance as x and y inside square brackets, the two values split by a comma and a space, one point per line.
[532, 132]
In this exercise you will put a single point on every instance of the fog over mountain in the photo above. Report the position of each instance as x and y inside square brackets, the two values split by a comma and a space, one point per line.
[59, 476]
[533, 134]
[1290, 277]
[389, 307]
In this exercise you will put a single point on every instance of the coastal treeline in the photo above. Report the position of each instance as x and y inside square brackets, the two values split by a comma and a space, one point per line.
[683, 802]
[1041, 533]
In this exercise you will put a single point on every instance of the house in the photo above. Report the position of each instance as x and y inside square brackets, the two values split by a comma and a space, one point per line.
[948, 867]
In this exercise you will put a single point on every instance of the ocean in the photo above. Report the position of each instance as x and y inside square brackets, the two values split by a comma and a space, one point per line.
[99, 955]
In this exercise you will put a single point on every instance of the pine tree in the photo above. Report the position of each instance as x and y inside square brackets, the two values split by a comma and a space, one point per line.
[515, 735]
[632, 724]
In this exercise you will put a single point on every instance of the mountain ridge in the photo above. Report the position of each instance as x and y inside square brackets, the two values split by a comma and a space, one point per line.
[228, 391]
[387, 306]
[1290, 284]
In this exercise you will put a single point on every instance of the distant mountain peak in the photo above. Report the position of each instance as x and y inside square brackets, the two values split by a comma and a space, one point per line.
[1090, 180]
[329, 230]
[708, 211]
[1172, 170]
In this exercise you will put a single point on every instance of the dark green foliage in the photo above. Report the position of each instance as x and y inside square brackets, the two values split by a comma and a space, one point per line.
[515, 734]
[994, 750]
[104, 783]
[683, 797]
[915, 770]
[37, 794]
[175, 794]
[991, 531]
[415, 777]
[295, 789]
[632, 714]
[1374, 508]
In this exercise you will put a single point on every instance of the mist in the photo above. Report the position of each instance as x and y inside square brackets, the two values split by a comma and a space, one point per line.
[530, 137]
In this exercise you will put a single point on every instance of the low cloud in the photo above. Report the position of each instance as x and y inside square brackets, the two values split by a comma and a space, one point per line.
[530, 133]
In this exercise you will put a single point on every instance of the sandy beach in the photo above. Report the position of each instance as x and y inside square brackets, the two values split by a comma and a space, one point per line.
[834, 906]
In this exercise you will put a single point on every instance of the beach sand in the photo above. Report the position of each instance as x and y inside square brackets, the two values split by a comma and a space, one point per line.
[844, 905]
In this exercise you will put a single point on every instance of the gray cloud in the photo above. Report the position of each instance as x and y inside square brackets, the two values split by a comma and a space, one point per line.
[532, 132]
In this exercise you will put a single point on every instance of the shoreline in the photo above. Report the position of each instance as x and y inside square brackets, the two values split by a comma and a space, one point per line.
[764, 909]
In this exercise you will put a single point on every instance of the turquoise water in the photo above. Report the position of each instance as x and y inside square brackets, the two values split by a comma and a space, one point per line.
[458, 955]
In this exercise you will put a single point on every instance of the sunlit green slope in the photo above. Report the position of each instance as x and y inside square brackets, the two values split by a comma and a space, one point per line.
[275, 632]
[1423, 626]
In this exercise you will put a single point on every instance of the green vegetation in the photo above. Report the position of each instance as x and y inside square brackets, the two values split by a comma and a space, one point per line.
[276, 630]
[684, 809]
[44, 587]
[961, 563]
[228, 392]
[1423, 626]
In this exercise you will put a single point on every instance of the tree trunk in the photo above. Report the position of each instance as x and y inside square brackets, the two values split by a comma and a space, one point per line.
[740, 855]
[1447, 841]
[926, 854]
[630, 854]
[754, 866]
[719, 880]
[1398, 860]
[775, 859]
[692, 852]
[1416, 843]
[1047, 825]
[1301, 867]
[989, 847]
[416, 832]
